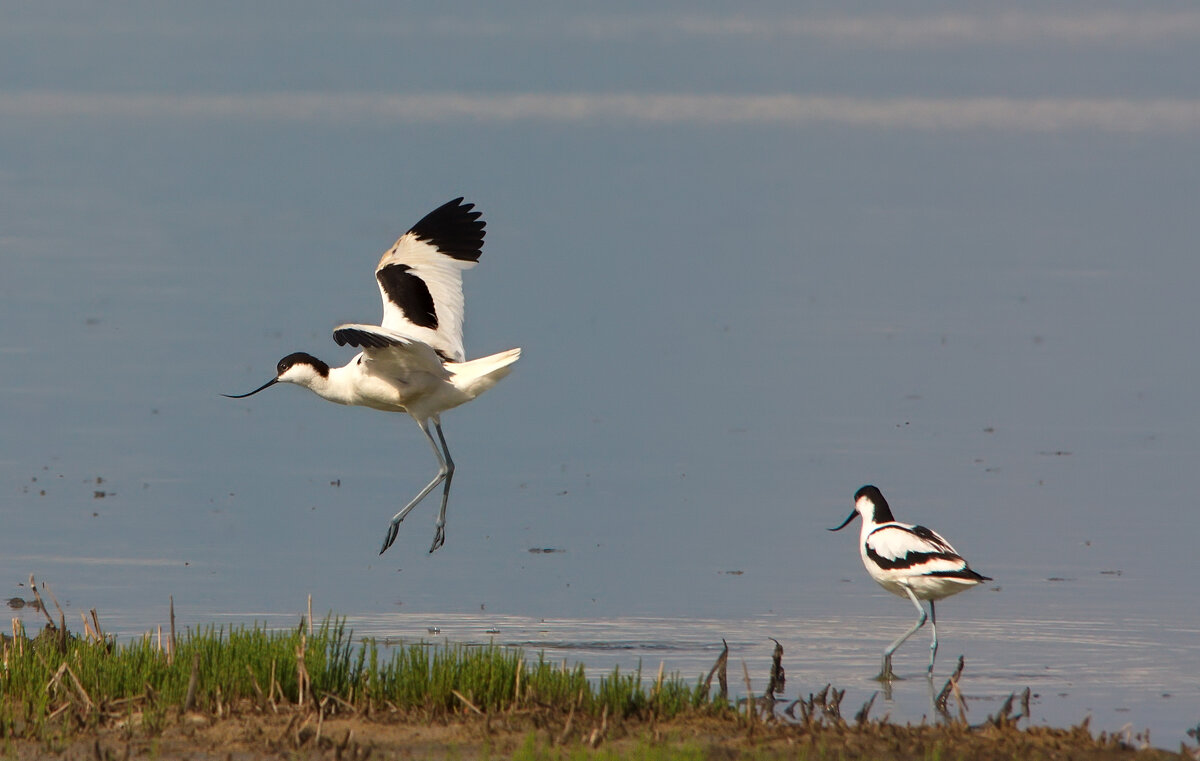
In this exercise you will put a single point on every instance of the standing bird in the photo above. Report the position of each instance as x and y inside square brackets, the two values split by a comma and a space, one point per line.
[910, 561]
[414, 361]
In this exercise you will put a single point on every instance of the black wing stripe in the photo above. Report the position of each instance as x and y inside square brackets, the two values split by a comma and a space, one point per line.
[363, 339]
[410, 294]
[454, 229]
[911, 560]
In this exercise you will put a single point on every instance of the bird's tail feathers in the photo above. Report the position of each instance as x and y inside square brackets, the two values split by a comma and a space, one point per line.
[478, 375]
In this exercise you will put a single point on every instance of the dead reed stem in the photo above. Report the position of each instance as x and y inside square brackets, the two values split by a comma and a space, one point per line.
[38, 598]
[719, 669]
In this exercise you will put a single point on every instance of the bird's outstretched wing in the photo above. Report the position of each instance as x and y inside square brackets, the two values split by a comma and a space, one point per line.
[394, 354]
[420, 277]
[913, 548]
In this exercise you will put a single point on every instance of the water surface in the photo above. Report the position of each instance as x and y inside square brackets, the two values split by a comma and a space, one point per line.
[729, 325]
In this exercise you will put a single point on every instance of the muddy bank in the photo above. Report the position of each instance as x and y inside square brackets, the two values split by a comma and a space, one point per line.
[298, 734]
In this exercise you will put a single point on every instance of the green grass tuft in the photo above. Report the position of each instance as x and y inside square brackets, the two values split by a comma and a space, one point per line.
[49, 677]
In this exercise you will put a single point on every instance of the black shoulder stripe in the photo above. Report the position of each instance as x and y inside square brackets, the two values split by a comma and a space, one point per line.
[929, 536]
[454, 229]
[410, 294]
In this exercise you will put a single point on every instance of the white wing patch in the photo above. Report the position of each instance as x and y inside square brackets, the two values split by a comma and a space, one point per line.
[914, 548]
[420, 277]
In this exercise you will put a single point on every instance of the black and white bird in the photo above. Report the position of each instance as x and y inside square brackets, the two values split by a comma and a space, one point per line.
[908, 561]
[414, 361]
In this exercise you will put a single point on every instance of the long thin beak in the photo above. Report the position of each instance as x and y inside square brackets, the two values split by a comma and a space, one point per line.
[268, 384]
[846, 522]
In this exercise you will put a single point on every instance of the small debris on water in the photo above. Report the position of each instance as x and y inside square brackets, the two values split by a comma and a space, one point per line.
[1111, 573]
[545, 550]
[733, 573]
[491, 630]
[98, 494]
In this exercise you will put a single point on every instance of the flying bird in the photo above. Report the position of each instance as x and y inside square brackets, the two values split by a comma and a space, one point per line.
[414, 360]
[908, 561]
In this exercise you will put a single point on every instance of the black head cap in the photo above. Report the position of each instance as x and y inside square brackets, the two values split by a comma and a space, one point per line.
[883, 513]
[301, 358]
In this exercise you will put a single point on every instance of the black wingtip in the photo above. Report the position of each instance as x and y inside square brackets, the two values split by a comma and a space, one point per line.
[454, 229]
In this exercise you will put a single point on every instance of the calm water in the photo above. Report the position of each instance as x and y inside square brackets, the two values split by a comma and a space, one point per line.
[729, 325]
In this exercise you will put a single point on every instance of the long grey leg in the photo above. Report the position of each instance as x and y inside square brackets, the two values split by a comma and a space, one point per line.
[439, 537]
[933, 645]
[394, 527]
[885, 673]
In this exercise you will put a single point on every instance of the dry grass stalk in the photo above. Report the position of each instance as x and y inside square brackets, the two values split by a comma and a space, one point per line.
[749, 698]
[171, 651]
[189, 702]
[320, 720]
[254, 683]
[96, 626]
[87, 628]
[517, 686]
[566, 733]
[466, 702]
[61, 615]
[87, 700]
[600, 732]
[350, 707]
[303, 681]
